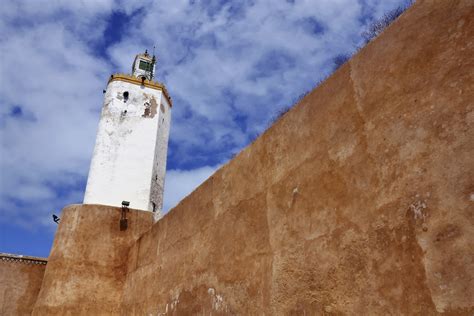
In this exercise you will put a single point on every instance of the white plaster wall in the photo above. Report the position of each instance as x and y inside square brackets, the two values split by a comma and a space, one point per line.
[124, 161]
[161, 151]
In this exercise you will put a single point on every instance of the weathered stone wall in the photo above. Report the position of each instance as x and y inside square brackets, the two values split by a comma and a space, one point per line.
[359, 201]
[87, 265]
[20, 282]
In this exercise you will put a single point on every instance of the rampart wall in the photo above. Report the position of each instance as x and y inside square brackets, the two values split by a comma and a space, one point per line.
[359, 201]
[87, 267]
[20, 283]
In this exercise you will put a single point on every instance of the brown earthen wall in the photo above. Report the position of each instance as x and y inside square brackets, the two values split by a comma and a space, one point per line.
[359, 201]
[87, 265]
[20, 282]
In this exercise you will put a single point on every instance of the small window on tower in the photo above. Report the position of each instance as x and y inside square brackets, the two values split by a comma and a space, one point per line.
[144, 65]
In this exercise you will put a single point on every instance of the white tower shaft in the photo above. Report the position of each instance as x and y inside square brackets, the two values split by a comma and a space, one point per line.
[129, 160]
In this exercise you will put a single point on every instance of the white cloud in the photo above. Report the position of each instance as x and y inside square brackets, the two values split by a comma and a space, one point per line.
[229, 66]
[180, 183]
[50, 78]
[204, 56]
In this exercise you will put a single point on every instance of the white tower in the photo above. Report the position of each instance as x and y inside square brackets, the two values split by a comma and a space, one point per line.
[129, 160]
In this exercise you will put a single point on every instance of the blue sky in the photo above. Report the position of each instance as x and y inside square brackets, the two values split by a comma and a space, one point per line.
[229, 66]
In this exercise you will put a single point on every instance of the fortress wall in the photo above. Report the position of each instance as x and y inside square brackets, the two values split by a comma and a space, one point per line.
[358, 201]
[87, 265]
[20, 282]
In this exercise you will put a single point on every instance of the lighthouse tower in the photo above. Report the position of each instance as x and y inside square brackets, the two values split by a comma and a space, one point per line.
[129, 160]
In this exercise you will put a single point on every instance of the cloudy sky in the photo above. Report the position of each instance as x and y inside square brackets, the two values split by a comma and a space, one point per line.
[230, 67]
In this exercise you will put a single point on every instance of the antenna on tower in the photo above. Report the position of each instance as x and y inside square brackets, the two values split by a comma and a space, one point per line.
[153, 62]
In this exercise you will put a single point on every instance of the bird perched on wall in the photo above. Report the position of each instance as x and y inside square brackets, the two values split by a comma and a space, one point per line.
[56, 219]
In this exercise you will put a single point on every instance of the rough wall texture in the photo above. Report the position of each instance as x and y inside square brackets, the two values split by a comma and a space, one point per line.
[358, 201]
[20, 282]
[87, 265]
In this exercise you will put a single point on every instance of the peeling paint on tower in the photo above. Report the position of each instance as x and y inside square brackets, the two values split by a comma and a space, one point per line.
[150, 108]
